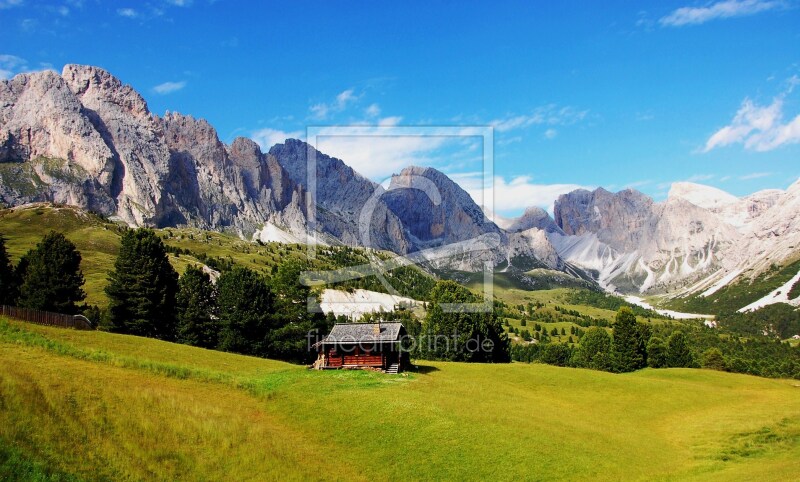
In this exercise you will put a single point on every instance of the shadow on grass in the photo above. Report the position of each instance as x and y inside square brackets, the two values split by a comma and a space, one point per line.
[423, 369]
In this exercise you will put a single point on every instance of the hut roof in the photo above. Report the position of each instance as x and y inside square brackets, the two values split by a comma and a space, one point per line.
[364, 332]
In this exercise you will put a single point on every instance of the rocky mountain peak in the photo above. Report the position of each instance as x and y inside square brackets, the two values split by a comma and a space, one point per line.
[93, 85]
[700, 195]
[616, 218]
[535, 217]
[434, 209]
[245, 151]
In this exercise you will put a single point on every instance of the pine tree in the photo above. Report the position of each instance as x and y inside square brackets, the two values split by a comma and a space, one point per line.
[678, 354]
[626, 341]
[8, 285]
[461, 336]
[197, 309]
[656, 353]
[246, 307]
[52, 277]
[142, 287]
[293, 323]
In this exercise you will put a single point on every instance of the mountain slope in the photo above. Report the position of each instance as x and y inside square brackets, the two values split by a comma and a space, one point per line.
[85, 139]
[695, 244]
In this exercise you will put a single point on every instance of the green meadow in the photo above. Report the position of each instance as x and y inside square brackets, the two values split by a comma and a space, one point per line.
[93, 405]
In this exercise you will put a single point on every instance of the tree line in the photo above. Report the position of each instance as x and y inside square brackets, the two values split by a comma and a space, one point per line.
[633, 345]
[243, 312]
[48, 277]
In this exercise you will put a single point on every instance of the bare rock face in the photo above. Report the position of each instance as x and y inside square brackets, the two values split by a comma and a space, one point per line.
[534, 242]
[86, 139]
[638, 245]
[41, 117]
[535, 217]
[438, 213]
[41, 121]
[434, 209]
[618, 219]
[140, 155]
[350, 207]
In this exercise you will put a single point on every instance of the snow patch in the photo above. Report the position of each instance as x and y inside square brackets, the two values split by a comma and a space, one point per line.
[779, 295]
[360, 301]
[635, 300]
[271, 233]
[724, 281]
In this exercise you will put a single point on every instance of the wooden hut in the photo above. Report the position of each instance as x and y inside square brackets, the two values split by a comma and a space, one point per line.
[363, 345]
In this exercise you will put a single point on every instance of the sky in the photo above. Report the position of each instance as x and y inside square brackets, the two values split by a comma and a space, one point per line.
[579, 94]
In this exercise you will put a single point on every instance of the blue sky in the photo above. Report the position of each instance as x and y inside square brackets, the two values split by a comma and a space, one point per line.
[613, 94]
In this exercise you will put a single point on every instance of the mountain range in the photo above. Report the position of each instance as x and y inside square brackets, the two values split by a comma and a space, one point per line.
[84, 138]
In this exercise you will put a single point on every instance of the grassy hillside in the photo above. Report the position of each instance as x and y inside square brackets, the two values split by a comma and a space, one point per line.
[101, 406]
[98, 241]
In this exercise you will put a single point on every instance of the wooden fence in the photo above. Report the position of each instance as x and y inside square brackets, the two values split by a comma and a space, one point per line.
[78, 322]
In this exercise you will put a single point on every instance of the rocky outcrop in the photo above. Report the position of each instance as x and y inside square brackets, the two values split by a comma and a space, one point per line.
[434, 209]
[439, 214]
[86, 139]
[698, 237]
[618, 219]
[535, 217]
[350, 207]
[140, 156]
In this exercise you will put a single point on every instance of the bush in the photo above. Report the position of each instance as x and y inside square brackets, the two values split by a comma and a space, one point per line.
[556, 354]
[713, 359]
[594, 350]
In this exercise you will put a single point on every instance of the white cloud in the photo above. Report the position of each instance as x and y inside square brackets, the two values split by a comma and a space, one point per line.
[637, 184]
[549, 114]
[29, 25]
[181, 3]
[390, 121]
[700, 177]
[322, 110]
[550, 133]
[373, 110]
[10, 3]
[514, 195]
[754, 175]
[319, 111]
[759, 128]
[169, 87]
[127, 12]
[268, 137]
[724, 9]
[11, 65]
[344, 98]
[379, 156]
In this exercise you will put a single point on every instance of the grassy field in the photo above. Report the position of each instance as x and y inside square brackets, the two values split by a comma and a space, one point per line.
[95, 405]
